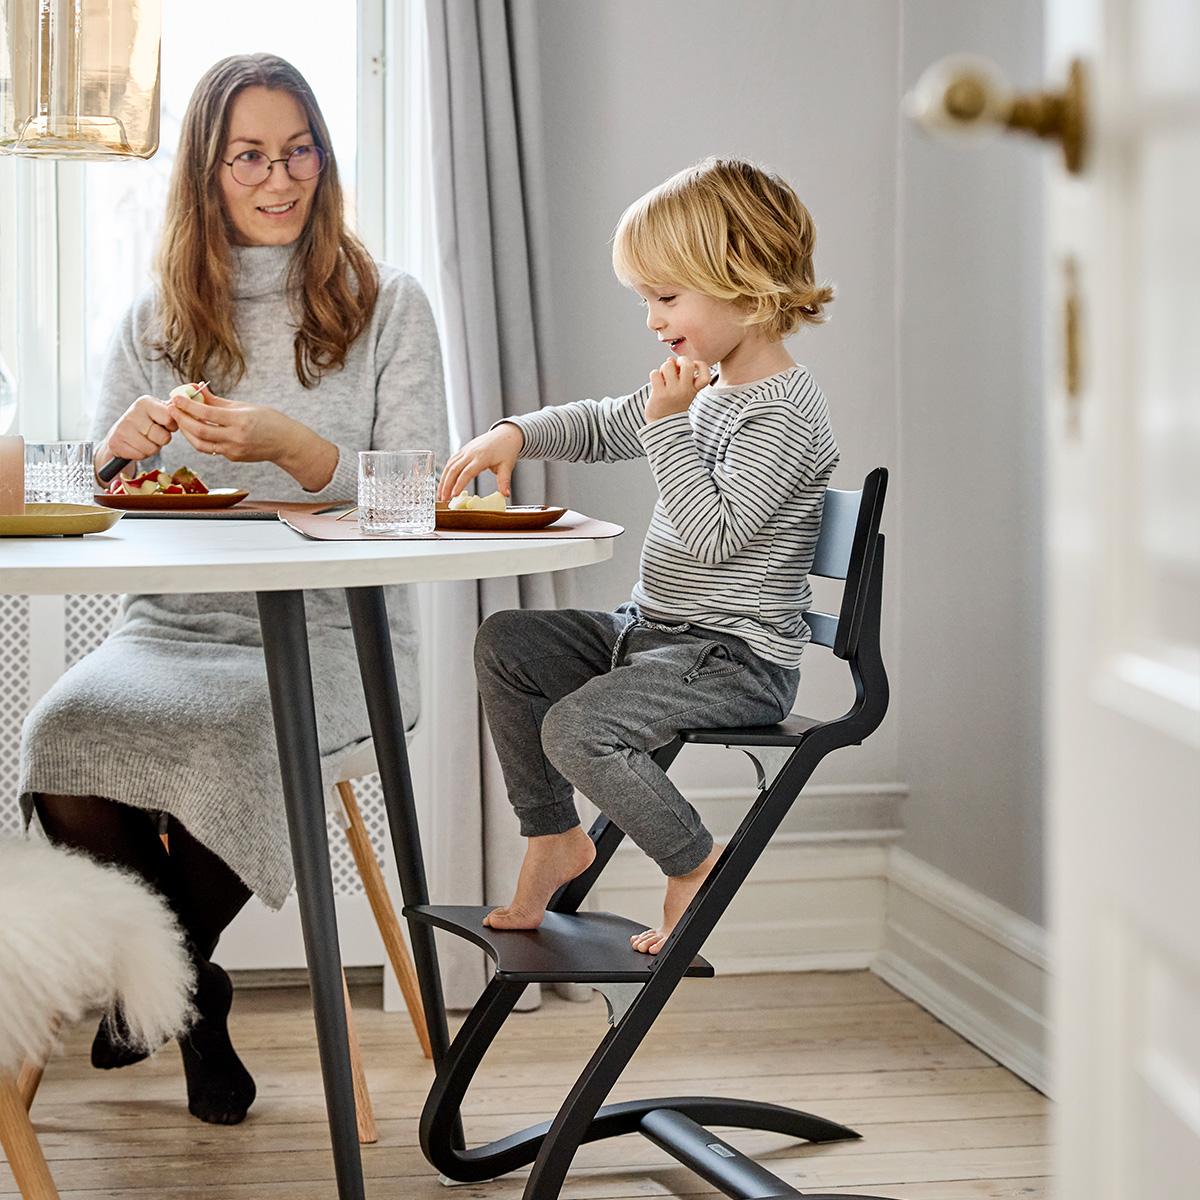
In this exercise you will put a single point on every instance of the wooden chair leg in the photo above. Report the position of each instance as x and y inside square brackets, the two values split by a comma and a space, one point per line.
[21, 1148]
[29, 1079]
[363, 1110]
[385, 915]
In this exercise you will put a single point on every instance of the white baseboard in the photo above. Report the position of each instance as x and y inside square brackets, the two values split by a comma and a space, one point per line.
[973, 963]
[804, 907]
[263, 940]
[813, 902]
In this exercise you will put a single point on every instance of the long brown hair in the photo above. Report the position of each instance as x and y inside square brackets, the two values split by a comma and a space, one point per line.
[333, 281]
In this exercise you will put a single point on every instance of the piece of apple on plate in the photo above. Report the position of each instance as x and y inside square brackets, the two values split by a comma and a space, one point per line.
[464, 502]
[189, 481]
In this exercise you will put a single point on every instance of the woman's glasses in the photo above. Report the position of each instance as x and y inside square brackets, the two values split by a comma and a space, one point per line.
[251, 167]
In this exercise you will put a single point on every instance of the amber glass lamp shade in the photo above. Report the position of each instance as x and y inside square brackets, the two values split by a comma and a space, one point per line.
[79, 78]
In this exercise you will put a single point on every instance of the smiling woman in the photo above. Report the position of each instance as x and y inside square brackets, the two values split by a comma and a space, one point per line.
[311, 352]
[111, 226]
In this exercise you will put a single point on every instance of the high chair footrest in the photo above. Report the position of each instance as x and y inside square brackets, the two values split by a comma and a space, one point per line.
[565, 948]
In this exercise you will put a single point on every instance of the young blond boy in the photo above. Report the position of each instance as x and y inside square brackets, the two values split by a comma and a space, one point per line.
[721, 256]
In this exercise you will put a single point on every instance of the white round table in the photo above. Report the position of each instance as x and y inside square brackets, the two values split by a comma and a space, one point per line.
[224, 555]
[270, 559]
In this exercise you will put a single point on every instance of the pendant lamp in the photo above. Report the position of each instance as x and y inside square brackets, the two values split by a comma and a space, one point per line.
[79, 79]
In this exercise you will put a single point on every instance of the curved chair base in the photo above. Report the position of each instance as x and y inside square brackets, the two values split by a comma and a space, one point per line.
[638, 1116]
[715, 1160]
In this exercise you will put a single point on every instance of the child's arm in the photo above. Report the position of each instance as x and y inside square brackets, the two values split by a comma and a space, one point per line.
[773, 449]
[582, 431]
[496, 451]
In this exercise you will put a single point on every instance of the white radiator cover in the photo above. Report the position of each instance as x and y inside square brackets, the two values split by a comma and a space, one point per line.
[43, 636]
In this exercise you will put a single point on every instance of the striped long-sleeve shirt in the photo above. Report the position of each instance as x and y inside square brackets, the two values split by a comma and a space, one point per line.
[741, 481]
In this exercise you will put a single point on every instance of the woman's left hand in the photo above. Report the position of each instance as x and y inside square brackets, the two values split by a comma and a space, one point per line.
[234, 430]
[255, 433]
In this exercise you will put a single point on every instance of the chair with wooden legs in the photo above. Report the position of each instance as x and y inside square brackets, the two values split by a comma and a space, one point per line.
[19, 1139]
[16, 1096]
[594, 948]
[66, 922]
[359, 763]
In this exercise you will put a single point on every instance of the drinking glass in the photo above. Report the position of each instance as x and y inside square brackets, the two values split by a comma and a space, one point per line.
[59, 473]
[396, 492]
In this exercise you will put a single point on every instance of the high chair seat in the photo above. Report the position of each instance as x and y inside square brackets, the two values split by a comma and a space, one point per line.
[789, 732]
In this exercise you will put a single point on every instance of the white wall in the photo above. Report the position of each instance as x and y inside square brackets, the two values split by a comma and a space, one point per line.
[634, 91]
[970, 379]
[930, 359]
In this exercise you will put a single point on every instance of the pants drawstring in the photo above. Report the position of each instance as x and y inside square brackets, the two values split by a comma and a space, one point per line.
[643, 623]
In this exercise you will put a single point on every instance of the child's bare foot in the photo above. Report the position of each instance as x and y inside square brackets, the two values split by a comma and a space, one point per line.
[550, 861]
[680, 891]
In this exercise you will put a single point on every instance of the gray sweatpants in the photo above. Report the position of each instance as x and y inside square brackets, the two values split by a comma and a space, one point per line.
[580, 699]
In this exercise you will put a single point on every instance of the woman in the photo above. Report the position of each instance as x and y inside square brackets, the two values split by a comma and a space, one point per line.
[311, 352]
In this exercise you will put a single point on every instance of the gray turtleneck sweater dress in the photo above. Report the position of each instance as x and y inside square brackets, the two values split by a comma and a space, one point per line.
[171, 713]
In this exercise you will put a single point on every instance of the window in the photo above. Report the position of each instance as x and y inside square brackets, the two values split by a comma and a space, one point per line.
[77, 240]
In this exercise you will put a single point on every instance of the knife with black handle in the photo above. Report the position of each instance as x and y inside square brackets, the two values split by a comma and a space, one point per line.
[113, 467]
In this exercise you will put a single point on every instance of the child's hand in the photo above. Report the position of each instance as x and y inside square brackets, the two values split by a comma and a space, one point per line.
[674, 385]
[497, 450]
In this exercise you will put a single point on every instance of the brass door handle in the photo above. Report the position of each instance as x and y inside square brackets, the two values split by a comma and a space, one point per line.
[968, 94]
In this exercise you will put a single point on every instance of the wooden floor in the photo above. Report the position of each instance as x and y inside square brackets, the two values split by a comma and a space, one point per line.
[940, 1120]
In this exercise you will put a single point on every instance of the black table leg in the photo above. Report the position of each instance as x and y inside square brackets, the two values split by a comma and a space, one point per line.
[285, 646]
[376, 664]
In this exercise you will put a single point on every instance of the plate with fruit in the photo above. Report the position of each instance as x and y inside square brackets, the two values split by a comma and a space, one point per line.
[494, 513]
[162, 491]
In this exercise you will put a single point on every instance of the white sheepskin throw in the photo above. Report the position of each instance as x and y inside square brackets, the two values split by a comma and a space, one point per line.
[75, 936]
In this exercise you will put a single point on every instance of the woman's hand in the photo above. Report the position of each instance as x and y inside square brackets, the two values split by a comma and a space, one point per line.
[497, 450]
[244, 432]
[141, 431]
[236, 431]
[674, 386]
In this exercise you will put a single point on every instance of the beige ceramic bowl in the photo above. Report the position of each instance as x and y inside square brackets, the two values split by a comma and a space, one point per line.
[50, 520]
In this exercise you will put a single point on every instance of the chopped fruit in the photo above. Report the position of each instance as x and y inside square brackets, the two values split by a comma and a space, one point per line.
[465, 502]
[158, 483]
[189, 481]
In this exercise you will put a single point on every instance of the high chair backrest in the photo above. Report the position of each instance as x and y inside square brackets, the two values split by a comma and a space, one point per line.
[846, 550]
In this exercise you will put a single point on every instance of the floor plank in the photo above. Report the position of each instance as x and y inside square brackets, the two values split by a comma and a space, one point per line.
[939, 1120]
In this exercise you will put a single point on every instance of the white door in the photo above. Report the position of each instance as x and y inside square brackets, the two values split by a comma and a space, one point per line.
[1123, 665]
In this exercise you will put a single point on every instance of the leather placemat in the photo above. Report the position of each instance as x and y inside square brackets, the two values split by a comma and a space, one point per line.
[246, 510]
[327, 528]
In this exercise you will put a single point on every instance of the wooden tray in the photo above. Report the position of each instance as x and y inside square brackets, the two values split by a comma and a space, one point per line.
[519, 516]
[217, 498]
[55, 520]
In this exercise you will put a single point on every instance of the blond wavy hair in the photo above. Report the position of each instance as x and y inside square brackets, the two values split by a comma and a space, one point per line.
[731, 230]
[333, 282]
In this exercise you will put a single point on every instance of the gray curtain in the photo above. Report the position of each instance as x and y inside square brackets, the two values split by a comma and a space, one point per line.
[485, 137]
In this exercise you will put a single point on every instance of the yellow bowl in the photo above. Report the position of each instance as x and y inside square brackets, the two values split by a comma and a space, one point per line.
[61, 520]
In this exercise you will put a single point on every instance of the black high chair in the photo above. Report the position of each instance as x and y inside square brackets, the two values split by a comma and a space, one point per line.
[594, 948]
